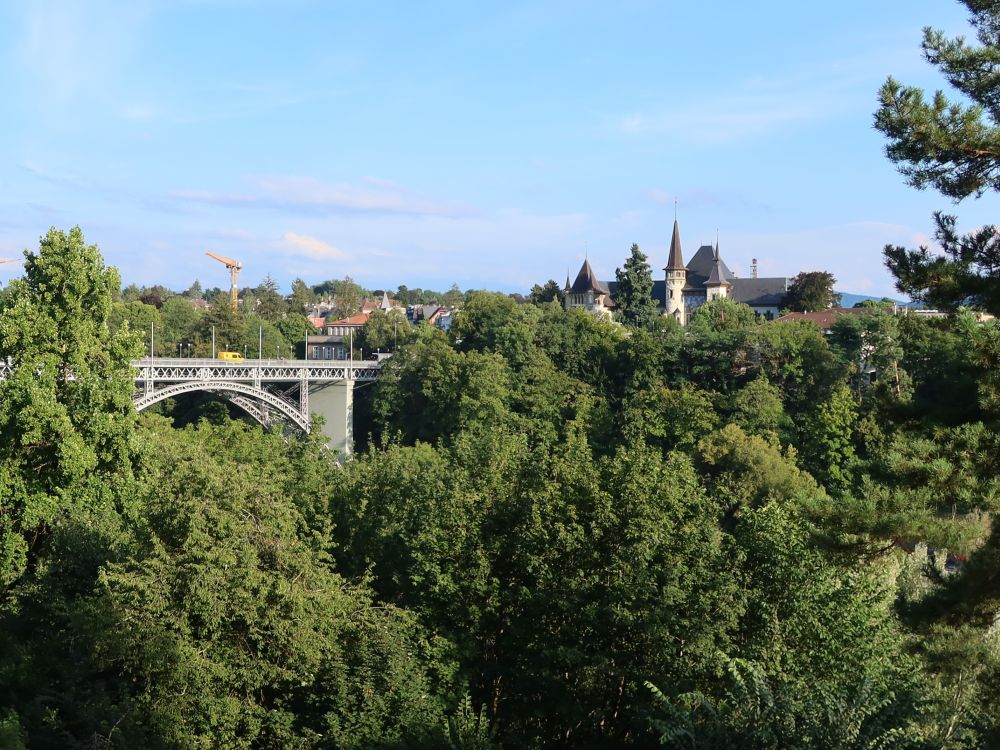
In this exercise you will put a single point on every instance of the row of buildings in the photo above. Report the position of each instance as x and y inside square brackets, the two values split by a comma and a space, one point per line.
[685, 286]
[336, 335]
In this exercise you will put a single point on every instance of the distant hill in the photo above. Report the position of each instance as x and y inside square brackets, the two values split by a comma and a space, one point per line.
[850, 300]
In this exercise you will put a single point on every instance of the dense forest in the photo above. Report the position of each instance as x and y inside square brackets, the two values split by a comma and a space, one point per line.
[558, 530]
[561, 531]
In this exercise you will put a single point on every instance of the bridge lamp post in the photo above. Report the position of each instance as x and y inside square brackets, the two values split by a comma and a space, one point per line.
[180, 348]
[190, 347]
[260, 342]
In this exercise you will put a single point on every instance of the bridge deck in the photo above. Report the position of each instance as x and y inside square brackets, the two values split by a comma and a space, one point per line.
[163, 369]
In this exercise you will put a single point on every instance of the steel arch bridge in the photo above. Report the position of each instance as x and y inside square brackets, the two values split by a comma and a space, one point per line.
[268, 390]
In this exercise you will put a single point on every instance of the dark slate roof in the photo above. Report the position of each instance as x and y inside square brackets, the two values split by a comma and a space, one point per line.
[675, 261]
[769, 292]
[586, 281]
[700, 268]
[719, 275]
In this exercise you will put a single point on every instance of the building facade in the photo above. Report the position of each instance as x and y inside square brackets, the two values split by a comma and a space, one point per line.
[685, 287]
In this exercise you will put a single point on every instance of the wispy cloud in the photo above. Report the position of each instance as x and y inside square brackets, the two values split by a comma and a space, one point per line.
[310, 247]
[75, 49]
[307, 194]
[730, 118]
[758, 105]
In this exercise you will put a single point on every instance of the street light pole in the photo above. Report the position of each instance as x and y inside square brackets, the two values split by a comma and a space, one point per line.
[213, 342]
[260, 342]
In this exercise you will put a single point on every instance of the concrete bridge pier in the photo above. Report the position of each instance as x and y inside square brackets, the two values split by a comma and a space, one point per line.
[335, 403]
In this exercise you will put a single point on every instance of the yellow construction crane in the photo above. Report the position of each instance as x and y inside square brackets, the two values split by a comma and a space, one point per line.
[234, 267]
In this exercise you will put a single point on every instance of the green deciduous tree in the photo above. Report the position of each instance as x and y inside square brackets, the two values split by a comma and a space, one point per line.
[758, 409]
[66, 413]
[491, 322]
[347, 297]
[228, 326]
[178, 322]
[810, 291]
[549, 292]
[139, 317]
[453, 297]
[559, 578]
[634, 293]
[217, 619]
[386, 330]
[721, 314]
[828, 440]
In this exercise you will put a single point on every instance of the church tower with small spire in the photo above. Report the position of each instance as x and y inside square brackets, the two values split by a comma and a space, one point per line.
[676, 278]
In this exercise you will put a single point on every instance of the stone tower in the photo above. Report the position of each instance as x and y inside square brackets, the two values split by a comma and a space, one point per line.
[676, 278]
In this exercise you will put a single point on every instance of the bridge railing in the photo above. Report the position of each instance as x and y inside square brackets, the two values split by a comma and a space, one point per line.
[255, 370]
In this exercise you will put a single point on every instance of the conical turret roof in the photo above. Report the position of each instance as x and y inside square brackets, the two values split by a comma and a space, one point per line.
[718, 276]
[586, 281]
[675, 261]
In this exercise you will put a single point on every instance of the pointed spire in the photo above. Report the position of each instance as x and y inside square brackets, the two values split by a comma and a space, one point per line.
[566, 288]
[586, 281]
[718, 276]
[675, 261]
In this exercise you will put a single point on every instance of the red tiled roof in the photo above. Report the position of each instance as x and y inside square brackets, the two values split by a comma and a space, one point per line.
[355, 320]
[823, 318]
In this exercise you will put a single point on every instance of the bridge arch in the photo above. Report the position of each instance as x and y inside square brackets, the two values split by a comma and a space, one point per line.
[240, 394]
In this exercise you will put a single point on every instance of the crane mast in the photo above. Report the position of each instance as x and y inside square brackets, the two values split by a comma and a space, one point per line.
[234, 267]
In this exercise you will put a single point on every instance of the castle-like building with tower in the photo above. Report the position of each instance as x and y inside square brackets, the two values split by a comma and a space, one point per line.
[685, 287]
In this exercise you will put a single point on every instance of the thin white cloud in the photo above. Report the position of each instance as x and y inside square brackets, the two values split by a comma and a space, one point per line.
[75, 49]
[308, 194]
[726, 119]
[310, 247]
[382, 182]
[139, 112]
[759, 105]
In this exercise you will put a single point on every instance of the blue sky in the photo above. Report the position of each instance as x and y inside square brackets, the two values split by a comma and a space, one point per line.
[488, 144]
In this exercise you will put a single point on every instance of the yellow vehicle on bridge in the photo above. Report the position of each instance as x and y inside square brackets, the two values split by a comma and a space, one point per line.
[231, 357]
